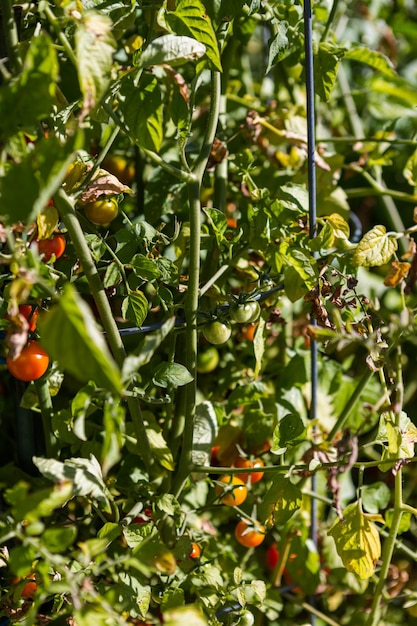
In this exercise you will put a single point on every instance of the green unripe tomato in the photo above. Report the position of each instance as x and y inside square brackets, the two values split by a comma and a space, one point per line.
[207, 360]
[217, 332]
[246, 312]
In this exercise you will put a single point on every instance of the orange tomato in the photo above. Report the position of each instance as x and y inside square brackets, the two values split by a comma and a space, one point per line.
[195, 551]
[254, 477]
[234, 491]
[249, 534]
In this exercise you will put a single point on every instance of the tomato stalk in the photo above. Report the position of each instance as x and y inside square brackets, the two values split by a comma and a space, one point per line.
[75, 232]
[45, 404]
[192, 299]
[11, 36]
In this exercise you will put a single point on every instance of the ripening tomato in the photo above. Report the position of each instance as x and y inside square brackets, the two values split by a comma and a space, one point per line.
[254, 477]
[217, 332]
[102, 211]
[31, 363]
[195, 551]
[245, 312]
[54, 246]
[249, 331]
[234, 491]
[249, 534]
[30, 313]
[29, 589]
[119, 167]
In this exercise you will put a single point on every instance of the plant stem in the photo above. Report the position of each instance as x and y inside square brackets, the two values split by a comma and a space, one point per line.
[192, 299]
[45, 404]
[11, 37]
[112, 332]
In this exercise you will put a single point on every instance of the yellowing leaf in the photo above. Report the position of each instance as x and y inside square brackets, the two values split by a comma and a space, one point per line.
[47, 222]
[397, 272]
[357, 540]
[375, 248]
[398, 439]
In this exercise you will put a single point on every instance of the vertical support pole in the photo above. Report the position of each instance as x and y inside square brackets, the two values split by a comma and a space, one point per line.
[311, 148]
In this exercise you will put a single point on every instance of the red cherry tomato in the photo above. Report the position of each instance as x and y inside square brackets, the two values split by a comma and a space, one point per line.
[195, 551]
[254, 477]
[31, 363]
[248, 534]
[30, 313]
[55, 245]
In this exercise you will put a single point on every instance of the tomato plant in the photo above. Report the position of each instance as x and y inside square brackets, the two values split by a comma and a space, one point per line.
[232, 491]
[254, 477]
[245, 312]
[31, 363]
[54, 246]
[102, 211]
[254, 276]
[217, 332]
[249, 534]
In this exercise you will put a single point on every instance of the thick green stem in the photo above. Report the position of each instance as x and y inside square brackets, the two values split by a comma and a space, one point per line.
[389, 545]
[192, 299]
[103, 306]
[11, 37]
[45, 404]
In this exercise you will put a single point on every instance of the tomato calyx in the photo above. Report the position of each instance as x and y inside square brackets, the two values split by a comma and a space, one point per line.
[231, 490]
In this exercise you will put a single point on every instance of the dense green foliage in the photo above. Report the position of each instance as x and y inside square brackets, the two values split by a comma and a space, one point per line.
[155, 216]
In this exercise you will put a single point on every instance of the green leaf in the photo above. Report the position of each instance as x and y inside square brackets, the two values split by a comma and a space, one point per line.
[142, 107]
[29, 98]
[94, 48]
[57, 540]
[375, 248]
[278, 45]
[405, 522]
[375, 497]
[190, 615]
[357, 541]
[85, 476]
[42, 503]
[159, 446]
[171, 375]
[27, 186]
[410, 169]
[398, 439]
[144, 268]
[190, 19]
[259, 346]
[280, 502]
[326, 64]
[114, 427]
[71, 337]
[172, 50]
[204, 433]
[294, 285]
[373, 58]
[135, 307]
[289, 431]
